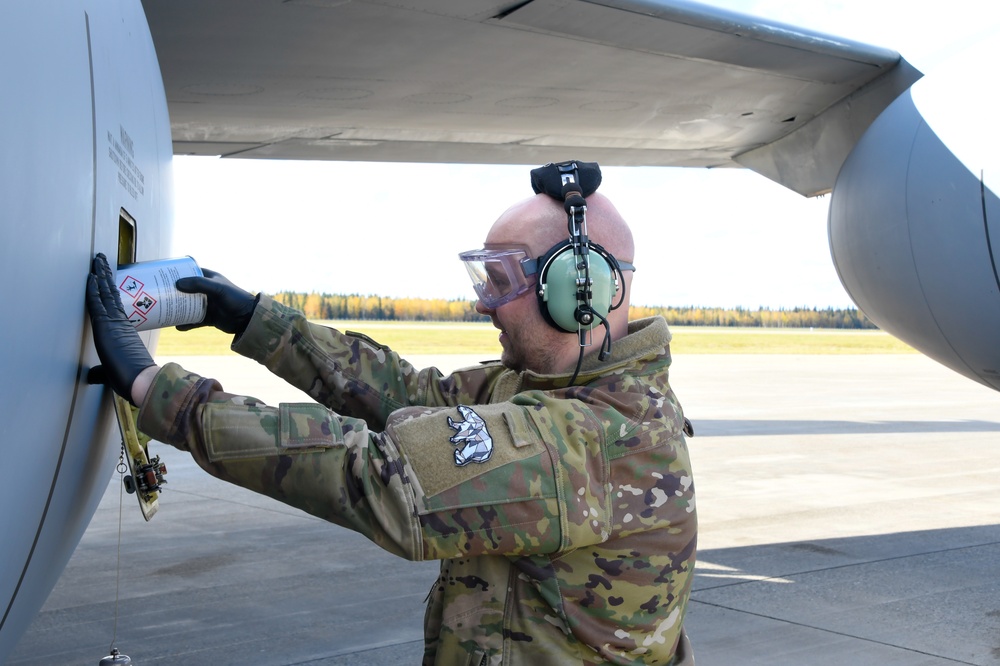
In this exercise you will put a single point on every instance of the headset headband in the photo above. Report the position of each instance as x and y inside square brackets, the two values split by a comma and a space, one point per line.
[551, 178]
[571, 182]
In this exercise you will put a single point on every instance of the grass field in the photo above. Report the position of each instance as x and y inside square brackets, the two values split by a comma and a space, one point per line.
[479, 338]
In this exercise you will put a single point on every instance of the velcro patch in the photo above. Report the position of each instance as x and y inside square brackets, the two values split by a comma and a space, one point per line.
[438, 449]
[307, 425]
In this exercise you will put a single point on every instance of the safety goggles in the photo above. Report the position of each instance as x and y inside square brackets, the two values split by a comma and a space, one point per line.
[499, 275]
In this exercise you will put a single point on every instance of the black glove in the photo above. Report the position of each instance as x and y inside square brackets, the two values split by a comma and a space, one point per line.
[229, 307]
[123, 355]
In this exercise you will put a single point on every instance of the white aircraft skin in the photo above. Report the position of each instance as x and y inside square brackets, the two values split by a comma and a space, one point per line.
[88, 144]
[87, 137]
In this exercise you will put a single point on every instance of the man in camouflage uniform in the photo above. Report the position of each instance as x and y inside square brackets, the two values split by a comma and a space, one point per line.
[563, 515]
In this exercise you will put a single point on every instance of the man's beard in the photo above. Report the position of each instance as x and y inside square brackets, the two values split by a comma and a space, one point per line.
[535, 355]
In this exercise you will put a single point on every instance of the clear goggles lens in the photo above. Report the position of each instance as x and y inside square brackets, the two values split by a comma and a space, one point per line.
[497, 275]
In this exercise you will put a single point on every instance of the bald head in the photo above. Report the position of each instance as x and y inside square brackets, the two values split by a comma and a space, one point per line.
[539, 223]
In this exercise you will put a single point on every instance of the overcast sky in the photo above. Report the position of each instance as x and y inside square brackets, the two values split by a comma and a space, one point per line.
[724, 237]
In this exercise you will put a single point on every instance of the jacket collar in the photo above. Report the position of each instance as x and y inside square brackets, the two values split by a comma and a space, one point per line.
[647, 339]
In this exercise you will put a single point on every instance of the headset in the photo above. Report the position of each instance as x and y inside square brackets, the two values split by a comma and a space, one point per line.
[573, 291]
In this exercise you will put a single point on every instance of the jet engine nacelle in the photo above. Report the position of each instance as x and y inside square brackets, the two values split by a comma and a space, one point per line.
[915, 229]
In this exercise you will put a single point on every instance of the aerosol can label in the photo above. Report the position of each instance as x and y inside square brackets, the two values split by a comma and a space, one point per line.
[150, 296]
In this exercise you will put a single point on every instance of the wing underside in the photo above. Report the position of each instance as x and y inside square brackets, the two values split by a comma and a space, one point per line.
[624, 82]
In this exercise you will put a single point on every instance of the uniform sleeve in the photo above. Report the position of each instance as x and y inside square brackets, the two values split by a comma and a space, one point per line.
[348, 372]
[438, 482]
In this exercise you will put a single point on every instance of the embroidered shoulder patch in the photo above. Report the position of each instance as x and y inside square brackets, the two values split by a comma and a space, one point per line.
[471, 437]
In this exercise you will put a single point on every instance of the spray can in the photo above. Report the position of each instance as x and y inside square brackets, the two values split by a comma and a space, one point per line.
[149, 293]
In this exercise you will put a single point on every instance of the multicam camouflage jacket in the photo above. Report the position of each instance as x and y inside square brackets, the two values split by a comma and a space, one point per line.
[564, 516]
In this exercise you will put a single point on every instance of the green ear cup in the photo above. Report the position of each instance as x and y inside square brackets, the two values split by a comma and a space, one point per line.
[560, 292]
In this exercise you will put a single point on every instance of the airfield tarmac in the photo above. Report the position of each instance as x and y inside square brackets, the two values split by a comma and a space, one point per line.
[849, 510]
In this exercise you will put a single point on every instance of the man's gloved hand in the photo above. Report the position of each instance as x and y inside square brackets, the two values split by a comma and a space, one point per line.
[229, 307]
[123, 355]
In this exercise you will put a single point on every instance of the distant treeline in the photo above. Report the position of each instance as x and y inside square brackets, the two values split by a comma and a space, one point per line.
[761, 317]
[355, 306]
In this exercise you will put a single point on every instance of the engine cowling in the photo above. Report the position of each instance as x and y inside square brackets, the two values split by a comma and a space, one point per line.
[915, 229]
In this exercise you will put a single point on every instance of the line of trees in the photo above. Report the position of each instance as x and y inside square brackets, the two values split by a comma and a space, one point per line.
[760, 318]
[356, 306]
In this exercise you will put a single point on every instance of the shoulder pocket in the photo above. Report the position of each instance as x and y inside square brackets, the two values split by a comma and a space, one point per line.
[471, 456]
[291, 428]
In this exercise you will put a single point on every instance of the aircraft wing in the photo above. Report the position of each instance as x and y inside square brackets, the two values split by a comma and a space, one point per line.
[623, 82]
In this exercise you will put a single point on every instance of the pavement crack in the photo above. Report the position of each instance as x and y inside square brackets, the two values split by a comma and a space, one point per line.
[834, 632]
[805, 572]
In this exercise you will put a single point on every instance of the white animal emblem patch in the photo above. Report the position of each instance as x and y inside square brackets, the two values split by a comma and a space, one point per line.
[472, 437]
